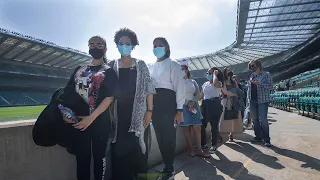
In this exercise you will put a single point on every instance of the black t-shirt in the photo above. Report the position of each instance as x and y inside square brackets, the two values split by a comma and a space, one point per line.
[254, 92]
[94, 83]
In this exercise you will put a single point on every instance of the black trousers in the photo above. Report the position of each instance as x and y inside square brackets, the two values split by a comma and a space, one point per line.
[128, 161]
[211, 111]
[164, 111]
[92, 141]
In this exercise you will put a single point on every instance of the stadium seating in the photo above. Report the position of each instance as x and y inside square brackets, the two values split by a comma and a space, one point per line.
[19, 81]
[41, 98]
[3, 103]
[27, 85]
[33, 70]
[304, 100]
[18, 98]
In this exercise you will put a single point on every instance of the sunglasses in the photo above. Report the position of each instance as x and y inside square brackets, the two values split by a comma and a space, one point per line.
[121, 44]
[99, 46]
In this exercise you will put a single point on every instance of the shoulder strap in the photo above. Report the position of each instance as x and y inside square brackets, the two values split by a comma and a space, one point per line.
[111, 64]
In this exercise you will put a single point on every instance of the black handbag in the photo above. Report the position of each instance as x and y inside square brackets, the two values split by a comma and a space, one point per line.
[230, 114]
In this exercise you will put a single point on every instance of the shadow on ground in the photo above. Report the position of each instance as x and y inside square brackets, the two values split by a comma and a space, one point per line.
[255, 154]
[309, 162]
[206, 169]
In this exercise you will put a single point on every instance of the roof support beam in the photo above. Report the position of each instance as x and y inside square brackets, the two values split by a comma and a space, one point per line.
[285, 5]
[280, 40]
[52, 61]
[210, 64]
[200, 62]
[284, 25]
[284, 35]
[219, 55]
[232, 57]
[246, 55]
[284, 20]
[284, 13]
[242, 16]
[12, 47]
[23, 51]
[71, 61]
[211, 57]
[263, 32]
[272, 42]
[212, 61]
[45, 56]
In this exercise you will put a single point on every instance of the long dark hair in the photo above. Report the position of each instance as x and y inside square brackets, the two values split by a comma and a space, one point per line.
[220, 74]
[225, 74]
[188, 72]
[165, 42]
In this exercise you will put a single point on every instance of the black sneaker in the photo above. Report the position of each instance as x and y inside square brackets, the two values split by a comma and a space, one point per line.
[256, 140]
[213, 150]
[267, 144]
[204, 148]
[167, 175]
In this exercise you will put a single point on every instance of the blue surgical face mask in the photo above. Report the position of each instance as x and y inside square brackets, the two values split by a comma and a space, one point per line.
[159, 52]
[125, 50]
[183, 73]
[209, 77]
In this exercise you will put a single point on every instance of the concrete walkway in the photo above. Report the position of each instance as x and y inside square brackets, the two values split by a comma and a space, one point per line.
[294, 156]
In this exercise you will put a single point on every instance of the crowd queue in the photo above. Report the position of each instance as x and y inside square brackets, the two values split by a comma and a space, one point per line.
[126, 94]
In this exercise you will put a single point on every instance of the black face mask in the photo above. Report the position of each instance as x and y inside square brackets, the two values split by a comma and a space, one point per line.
[96, 53]
[230, 74]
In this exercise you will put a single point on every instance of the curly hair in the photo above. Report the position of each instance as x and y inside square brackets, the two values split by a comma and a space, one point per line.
[126, 32]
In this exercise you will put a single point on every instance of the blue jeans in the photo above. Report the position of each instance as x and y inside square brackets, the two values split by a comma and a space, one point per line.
[259, 116]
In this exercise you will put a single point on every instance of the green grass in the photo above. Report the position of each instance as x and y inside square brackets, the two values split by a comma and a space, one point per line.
[20, 113]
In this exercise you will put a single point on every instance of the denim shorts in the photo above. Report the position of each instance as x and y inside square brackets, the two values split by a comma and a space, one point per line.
[189, 118]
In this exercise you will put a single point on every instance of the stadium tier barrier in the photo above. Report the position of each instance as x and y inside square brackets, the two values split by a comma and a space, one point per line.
[22, 159]
[304, 100]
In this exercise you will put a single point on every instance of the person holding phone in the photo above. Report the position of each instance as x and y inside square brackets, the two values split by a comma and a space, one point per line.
[259, 97]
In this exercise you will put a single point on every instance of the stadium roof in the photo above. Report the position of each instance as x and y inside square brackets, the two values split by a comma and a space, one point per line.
[265, 28]
[17, 47]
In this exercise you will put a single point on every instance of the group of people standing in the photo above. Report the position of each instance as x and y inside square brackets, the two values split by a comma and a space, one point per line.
[124, 95]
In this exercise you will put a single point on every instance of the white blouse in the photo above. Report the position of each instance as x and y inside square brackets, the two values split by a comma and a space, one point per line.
[210, 91]
[190, 89]
[167, 74]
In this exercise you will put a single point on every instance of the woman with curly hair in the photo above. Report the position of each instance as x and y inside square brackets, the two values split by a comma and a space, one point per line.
[132, 111]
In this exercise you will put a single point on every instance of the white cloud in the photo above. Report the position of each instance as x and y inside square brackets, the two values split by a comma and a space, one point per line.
[192, 27]
[176, 14]
[183, 22]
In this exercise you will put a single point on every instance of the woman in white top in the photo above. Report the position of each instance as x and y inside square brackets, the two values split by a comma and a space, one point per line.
[168, 102]
[211, 104]
[191, 113]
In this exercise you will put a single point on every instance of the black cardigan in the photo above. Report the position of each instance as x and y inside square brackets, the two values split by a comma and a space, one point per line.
[50, 129]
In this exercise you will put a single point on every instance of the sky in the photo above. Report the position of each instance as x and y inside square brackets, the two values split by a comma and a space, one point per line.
[192, 27]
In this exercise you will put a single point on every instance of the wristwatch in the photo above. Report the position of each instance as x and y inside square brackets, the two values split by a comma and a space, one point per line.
[148, 110]
[179, 110]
